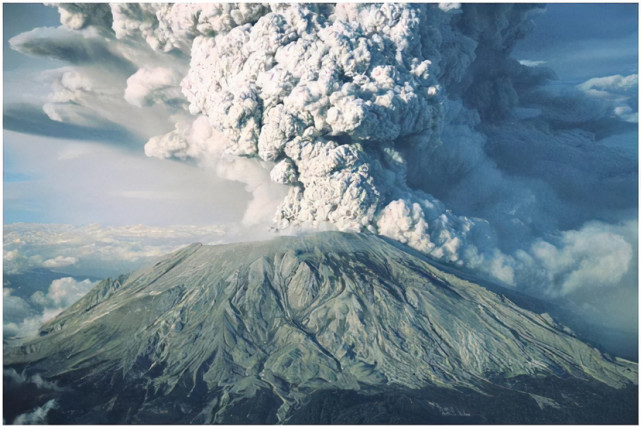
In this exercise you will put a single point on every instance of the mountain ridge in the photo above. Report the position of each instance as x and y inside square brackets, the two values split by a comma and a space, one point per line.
[288, 318]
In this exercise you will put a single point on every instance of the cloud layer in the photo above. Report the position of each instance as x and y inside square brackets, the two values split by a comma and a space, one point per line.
[80, 251]
[95, 250]
[26, 317]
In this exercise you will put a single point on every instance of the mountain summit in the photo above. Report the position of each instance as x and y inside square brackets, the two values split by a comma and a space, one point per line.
[323, 328]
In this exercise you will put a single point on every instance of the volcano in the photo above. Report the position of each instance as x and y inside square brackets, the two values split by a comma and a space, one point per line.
[322, 328]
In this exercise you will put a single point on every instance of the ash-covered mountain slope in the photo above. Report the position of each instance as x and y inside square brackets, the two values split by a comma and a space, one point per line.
[271, 331]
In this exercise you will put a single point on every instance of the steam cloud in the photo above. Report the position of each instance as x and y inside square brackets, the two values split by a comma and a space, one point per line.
[409, 121]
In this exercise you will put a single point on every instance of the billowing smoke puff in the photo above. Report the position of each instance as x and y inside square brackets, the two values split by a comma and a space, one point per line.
[326, 94]
[409, 121]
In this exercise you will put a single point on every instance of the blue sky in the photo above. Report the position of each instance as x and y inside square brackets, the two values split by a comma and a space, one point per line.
[579, 41]
[20, 17]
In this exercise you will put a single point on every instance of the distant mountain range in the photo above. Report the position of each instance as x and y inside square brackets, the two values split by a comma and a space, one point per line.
[323, 328]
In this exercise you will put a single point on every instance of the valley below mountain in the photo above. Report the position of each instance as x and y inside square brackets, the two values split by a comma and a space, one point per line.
[325, 328]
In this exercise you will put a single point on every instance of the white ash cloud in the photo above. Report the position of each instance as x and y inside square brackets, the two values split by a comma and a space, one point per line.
[90, 91]
[167, 27]
[77, 16]
[409, 121]
[597, 255]
[149, 86]
[197, 139]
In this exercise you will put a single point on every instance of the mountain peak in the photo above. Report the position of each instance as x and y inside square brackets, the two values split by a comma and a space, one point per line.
[295, 316]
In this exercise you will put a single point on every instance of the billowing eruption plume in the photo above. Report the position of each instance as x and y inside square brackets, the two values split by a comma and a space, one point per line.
[340, 100]
[410, 121]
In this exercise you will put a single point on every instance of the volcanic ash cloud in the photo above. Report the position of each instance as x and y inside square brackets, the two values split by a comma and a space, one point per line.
[329, 96]
[408, 121]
